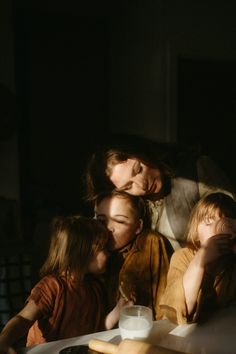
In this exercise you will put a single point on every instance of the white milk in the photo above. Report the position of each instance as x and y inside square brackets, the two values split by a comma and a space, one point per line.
[134, 328]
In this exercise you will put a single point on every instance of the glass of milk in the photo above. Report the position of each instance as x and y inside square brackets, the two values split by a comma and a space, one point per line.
[135, 322]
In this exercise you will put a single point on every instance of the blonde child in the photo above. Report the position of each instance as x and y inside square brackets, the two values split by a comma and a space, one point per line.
[202, 276]
[68, 300]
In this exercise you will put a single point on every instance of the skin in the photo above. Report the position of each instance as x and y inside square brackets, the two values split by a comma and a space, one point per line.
[213, 248]
[98, 263]
[136, 178]
[119, 217]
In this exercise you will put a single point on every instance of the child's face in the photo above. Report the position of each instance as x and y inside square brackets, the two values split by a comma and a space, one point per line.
[119, 217]
[207, 228]
[98, 263]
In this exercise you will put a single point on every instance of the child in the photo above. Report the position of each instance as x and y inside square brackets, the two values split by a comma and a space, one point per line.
[68, 300]
[139, 260]
[202, 276]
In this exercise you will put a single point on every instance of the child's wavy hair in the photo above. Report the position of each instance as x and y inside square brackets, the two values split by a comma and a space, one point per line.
[74, 241]
[207, 208]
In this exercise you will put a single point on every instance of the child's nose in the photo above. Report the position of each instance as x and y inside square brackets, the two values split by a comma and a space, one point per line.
[110, 226]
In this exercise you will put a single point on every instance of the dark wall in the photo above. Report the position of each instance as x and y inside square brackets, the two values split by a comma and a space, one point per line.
[207, 109]
[84, 71]
[61, 83]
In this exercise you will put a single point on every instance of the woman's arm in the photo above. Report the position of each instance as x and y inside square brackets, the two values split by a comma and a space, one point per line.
[18, 326]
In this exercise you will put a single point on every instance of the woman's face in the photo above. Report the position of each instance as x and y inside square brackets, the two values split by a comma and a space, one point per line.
[119, 217]
[135, 177]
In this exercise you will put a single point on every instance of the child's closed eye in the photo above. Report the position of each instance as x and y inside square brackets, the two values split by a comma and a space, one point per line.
[209, 221]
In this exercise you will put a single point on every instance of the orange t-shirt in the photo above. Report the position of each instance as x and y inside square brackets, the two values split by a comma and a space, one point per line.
[68, 310]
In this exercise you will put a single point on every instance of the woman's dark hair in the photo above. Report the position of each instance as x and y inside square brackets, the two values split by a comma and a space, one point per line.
[149, 152]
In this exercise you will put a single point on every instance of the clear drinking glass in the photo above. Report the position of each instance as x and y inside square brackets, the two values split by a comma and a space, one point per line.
[135, 322]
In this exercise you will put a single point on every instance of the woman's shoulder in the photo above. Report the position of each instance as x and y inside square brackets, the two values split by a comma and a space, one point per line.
[210, 173]
[200, 167]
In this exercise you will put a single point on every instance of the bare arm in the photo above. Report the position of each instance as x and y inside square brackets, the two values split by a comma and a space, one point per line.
[18, 326]
[204, 261]
[113, 317]
[192, 280]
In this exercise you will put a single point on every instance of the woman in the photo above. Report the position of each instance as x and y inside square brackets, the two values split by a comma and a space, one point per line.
[142, 168]
[202, 276]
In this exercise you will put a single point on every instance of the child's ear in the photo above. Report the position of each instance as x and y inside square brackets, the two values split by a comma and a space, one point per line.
[139, 227]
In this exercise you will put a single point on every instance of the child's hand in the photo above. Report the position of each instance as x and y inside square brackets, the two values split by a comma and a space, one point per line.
[225, 226]
[216, 247]
[130, 297]
[124, 303]
[113, 317]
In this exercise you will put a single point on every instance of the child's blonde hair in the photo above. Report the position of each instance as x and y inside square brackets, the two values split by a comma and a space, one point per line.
[74, 241]
[209, 207]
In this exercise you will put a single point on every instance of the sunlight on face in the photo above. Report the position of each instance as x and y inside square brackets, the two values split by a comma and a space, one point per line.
[119, 217]
[135, 177]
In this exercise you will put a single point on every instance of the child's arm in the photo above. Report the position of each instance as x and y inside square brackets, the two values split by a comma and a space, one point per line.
[192, 280]
[113, 317]
[18, 326]
[205, 260]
